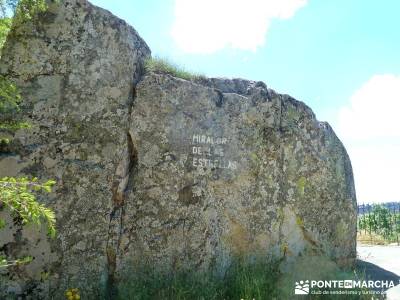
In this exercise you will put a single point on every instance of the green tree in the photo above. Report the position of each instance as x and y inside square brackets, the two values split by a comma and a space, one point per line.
[19, 196]
[382, 217]
[5, 25]
[381, 221]
[17, 12]
[22, 9]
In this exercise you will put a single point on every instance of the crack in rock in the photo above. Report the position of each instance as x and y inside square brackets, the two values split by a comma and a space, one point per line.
[121, 187]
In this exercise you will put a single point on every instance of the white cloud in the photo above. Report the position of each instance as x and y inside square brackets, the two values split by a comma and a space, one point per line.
[206, 26]
[370, 129]
[374, 110]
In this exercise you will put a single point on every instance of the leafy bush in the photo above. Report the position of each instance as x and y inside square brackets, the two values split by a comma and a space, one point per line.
[164, 66]
[27, 9]
[5, 24]
[10, 116]
[17, 194]
[9, 96]
[23, 10]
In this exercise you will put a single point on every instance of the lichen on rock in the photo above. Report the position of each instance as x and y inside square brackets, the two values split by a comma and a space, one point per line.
[278, 165]
[182, 174]
[76, 66]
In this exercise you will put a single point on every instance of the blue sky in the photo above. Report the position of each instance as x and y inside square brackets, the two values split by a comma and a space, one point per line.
[342, 58]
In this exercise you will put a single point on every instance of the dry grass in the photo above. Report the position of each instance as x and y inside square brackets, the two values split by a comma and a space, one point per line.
[165, 66]
[370, 239]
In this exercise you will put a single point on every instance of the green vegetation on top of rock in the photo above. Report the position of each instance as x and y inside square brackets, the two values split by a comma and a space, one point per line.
[165, 66]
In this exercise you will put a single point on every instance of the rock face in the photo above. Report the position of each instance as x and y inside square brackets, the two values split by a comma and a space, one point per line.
[227, 168]
[178, 173]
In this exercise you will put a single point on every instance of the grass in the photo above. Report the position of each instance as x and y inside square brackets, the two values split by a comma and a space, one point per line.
[243, 280]
[371, 239]
[164, 66]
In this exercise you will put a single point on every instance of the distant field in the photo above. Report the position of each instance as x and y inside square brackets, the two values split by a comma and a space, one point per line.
[378, 224]
[371, 239]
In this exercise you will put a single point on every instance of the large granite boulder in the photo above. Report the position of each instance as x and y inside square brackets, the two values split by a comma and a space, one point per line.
[177, 173]
[227, 168]
[76, 66]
